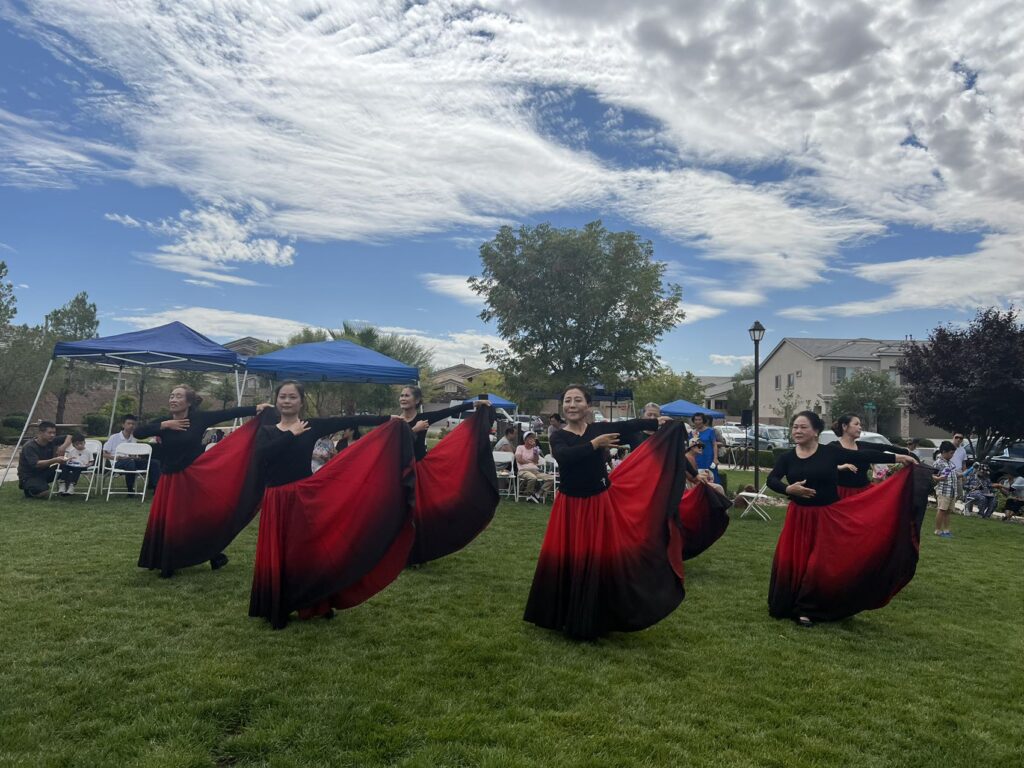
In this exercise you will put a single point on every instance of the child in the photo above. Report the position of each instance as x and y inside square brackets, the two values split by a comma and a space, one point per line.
[79, 458]
[948, 482]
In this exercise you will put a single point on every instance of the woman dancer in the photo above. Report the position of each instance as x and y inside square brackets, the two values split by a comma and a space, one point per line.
[854, 479]
[409, 400]
[203, 499]
[456, 482]
[836, 557]
[612, 558]
[336, 538]
[708, 459]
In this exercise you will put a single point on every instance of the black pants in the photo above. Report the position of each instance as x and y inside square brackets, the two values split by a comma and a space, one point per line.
[138, 464]
[70, 475]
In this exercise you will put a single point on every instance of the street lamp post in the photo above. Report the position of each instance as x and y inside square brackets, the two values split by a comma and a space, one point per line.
[756, 334]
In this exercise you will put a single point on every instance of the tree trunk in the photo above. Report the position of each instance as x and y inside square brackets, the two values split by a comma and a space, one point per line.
[142, 395]
[62, 394]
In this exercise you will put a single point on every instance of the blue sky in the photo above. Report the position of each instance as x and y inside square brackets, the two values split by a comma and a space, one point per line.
[854, 171]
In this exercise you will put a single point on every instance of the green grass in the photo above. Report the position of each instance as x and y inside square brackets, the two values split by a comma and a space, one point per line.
[102, 664]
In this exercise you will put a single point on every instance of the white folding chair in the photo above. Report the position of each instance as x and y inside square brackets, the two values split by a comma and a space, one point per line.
[504, 463]
[755, 502]
[130, 451]
[551, 468]
[95, 447]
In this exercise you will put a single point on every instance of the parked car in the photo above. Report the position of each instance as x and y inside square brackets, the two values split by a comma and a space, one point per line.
[828, 436]
[769, 436]
[1010, 462]
[731, 435]
[453, 421]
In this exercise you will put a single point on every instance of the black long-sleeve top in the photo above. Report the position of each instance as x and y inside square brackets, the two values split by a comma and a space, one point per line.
[820, 470]
[419, 439]
[178, 449]
[635, 439]
[286, 457]
[860, 479]
[582, 468]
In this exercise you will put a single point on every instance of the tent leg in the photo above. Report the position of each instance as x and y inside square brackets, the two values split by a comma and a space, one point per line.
[238, 395]
[28, 421]
[113, 408]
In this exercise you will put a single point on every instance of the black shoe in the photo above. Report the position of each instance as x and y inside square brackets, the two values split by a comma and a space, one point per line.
[219, 561]
[166, 574]
[330, 614]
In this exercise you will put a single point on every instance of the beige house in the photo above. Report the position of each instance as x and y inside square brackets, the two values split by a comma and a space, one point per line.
[807, 371]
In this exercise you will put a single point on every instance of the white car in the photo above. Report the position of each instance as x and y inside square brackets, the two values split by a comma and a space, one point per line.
[731, 435]
[828, 436]
[453, 421]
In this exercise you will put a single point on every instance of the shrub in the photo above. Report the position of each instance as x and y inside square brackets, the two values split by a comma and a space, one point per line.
[15, 421]
[96, 424]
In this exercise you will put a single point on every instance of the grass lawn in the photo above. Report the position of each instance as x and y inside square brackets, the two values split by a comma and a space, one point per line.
[102, 664]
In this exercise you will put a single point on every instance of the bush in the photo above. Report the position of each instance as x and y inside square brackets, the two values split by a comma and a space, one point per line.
[924, 442]
[96, 424]
[9, 435]
[15, 420]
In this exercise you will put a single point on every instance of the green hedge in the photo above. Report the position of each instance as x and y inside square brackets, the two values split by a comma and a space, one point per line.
[15, 420]
[96, 424]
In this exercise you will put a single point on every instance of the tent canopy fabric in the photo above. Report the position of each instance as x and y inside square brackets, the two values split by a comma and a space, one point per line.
[337, 361]
[496, 400]
[174, 345]
[686, 410]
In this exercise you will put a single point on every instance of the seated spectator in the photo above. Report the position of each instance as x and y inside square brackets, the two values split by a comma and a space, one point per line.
[348, 436]
[40, 457]
[214, 437]
[538, 483]
[508, 442]
[554, 424]
[634, 439]
[130, 463]
[79, 459]
[1014, 490]
[980, 492]
[323, 451]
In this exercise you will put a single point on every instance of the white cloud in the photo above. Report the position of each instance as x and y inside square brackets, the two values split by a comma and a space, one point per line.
[736, 298]
[697, 312]
[210, 241]
[453, 286]
[23, 286]
[220, 324]
[453, 347]
[373, 120]
[733, 360]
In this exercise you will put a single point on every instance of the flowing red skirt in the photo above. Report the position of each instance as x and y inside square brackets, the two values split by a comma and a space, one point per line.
[703, 513]
[846, 491]
[614, 561]
[339, 537]
[196, 513]
[834, 561]
[456, 490]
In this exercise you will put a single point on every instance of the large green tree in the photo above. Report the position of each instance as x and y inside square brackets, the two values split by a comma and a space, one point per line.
[741, 395]
[665, 385]
[969, 379]
[75, 320]
[574, 305]
[24, 352]
[866, 390]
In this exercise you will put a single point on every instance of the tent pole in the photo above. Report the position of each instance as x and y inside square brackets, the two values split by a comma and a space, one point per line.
[113, 408]
[238, 397]
[28, 421]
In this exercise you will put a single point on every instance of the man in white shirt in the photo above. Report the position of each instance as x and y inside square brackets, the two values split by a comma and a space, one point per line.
[127, 435]
[959, 459]
[508, 442]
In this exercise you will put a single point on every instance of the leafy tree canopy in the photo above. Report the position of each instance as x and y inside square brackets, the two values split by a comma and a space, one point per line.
[863, 388]
[574, 305]
[970, 379]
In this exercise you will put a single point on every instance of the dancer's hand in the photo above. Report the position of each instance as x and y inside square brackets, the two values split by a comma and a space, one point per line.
[400, 418]
[663, 420]
[847, 467]
[262, 407]
[607, 440]
[175, 425]
[800, 490]
[483, 402]
[298, 427]
[901, 459]
[421, 426]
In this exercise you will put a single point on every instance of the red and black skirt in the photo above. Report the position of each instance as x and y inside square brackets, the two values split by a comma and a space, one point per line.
[335, 539]
[835, 561]
[614, 561]
[456, 490]
[704, 516]
[197, 512]
[846, 491]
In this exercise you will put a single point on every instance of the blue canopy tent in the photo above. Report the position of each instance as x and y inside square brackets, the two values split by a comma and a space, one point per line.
[497, 401]
[332, 361]
[685, 409]
[173, 345]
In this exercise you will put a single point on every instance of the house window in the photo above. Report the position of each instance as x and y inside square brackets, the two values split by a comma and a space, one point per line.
[799, 374]
[778, 382]
[838, 374]
[451, 386]
[894, 375]
[790, 380]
